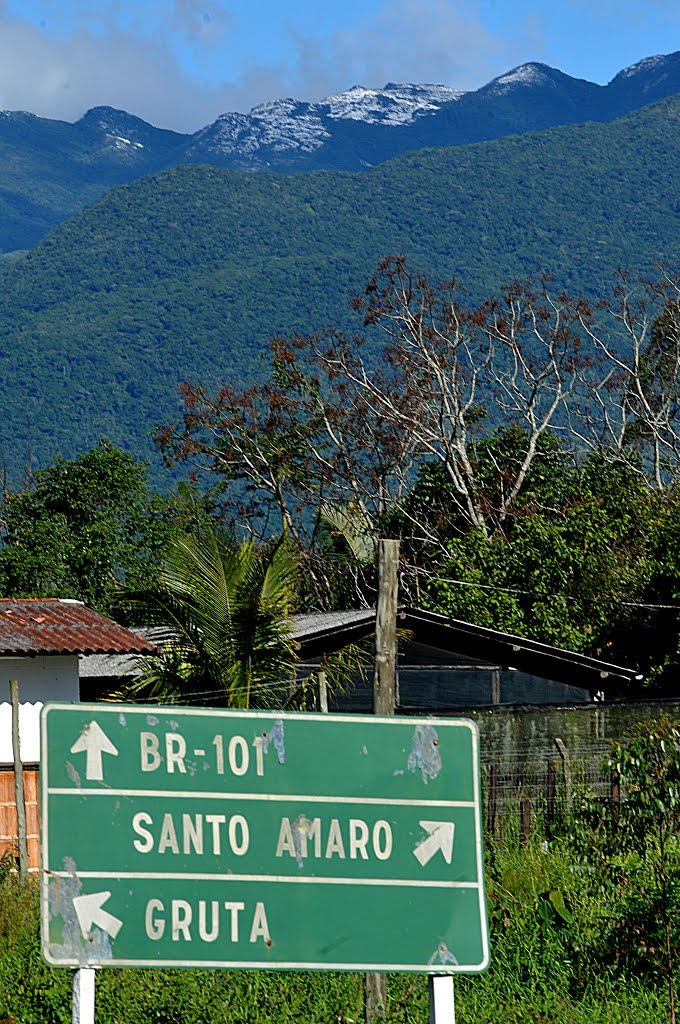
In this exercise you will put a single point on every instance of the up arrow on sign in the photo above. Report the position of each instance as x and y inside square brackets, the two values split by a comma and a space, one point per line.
[95, 742]
[440, 837]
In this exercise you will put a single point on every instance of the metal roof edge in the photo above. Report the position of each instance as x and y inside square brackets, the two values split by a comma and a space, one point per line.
[517, 644]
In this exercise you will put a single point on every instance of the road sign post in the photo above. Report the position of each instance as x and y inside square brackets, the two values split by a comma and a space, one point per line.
[206, 838]
[83, 996]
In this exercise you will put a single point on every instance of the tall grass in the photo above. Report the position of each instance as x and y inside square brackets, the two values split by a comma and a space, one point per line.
[546, 919]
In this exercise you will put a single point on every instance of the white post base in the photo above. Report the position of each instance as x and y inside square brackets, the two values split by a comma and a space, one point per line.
[83, 996]
[442, 1006]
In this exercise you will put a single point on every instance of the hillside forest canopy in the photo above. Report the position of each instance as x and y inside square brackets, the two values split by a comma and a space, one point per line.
[185, 274]
[525, 450]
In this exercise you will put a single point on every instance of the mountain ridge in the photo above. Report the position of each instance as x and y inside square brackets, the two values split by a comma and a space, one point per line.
[51, 169]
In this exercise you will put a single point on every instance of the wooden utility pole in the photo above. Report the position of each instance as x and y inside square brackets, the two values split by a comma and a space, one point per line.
[385, 672]
[19, 782]
[384, 701]
[323, 691]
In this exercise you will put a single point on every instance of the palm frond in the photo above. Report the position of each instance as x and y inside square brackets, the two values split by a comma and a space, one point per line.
[352, 523]
[227, 610]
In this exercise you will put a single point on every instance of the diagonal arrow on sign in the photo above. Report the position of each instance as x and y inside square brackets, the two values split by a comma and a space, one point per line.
[90, 911]
[95, 742]
[440, 837]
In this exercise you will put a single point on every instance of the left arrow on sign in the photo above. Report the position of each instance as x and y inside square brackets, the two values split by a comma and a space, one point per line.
[440, 837]
[90, 911]
[95, 742]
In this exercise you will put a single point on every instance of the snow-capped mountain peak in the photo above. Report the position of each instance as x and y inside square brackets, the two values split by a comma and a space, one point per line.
[359, 127]
[394, 105]
[293, 126]
[652, 78]
[17, 115]
[289, 123]
[279, 125]
[531, 74]
[655, 63]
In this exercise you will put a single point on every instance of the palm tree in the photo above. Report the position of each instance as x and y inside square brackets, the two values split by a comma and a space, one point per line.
[225, 618]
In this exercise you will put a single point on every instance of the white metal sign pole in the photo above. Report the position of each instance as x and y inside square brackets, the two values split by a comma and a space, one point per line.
[83, 996]
[442, 1006]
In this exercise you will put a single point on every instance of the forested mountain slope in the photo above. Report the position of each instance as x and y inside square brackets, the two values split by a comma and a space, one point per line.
[187, 273]
[51, 169]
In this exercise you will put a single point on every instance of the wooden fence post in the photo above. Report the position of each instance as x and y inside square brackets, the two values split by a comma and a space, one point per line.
[19, 782]
[550, 789]
[566, 771]
[615, 792]
[491, 806]
[495, 686]
[525, 821]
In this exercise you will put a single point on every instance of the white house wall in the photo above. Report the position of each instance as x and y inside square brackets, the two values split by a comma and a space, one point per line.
[40, 679]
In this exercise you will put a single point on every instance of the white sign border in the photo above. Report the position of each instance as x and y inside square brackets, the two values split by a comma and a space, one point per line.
[178, 711]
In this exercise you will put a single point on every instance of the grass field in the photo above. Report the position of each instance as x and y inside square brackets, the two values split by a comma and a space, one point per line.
[553, 962]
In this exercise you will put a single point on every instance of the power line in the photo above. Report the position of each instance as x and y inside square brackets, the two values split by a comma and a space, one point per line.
[185, 695]
[534, 593]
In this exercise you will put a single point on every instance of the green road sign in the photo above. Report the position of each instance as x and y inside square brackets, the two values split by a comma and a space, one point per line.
[179, 837]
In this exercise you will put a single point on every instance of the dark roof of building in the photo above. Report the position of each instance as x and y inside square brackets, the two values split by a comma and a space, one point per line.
[58, 626]
[319, 634]
[315, 628]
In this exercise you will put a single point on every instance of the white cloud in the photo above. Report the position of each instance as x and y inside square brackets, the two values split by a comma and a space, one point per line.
[151, 66]
[442, 41]
[63, 75]
[420, 40]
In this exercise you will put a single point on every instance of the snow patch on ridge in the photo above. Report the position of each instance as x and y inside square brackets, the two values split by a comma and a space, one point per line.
[291, 125]
[280, 124]
[393, 105]
[120, 142]
[525, 74]
[287, 124]
[648, 64]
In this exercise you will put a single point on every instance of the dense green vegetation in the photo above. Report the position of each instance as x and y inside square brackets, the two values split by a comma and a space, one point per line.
[584, 917]
[50, 169]
[32, 993]
[560, 525]
[186, 274]
[586, 561]
[550, 527]
[81, 527]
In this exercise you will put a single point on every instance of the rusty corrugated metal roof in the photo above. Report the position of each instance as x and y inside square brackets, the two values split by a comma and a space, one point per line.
[51, 625]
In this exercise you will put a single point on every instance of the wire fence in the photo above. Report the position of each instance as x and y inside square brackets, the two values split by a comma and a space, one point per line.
[537, 761]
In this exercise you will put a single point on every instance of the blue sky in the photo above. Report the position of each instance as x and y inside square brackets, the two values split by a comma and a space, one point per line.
[180, 63]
